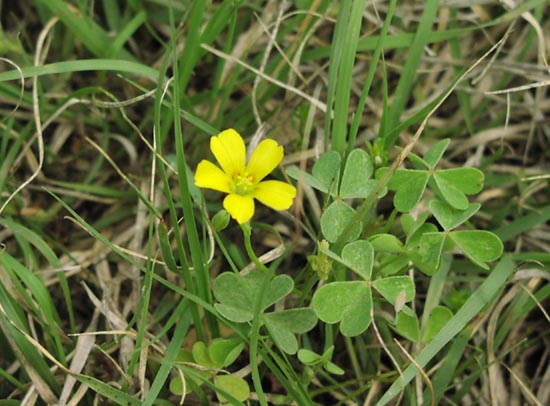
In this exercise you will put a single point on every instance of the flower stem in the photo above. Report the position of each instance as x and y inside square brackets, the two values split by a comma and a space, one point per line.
[247, 230]
[256, 323]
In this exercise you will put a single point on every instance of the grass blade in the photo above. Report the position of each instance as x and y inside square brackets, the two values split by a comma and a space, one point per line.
[475, 304]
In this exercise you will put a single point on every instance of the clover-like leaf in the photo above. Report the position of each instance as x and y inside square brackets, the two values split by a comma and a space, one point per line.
[284, 324]
[386, 243]
[360, 257]
[324, 175]
[410, 225]
[184, 355]
[349, 303]
[326, 169]
[237, 294]
[393, 266]
[391, 288]
[177, 386]
[308, 357]
[406, 324]
[448, 216]
[413, 239]
[428, 254]
[201, 356]
[356, 182]
[439, 316]
[335, 220]
[409, 185]
[478, 245]
[224, 351]
[233, 385]
[452, 194]
[236, 303]
[311, 358]
[434, 155]
[295, 173]
[279, 287]
[332, 368]
[454, 184]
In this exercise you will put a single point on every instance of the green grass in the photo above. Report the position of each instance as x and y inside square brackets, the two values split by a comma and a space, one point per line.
[111, 256]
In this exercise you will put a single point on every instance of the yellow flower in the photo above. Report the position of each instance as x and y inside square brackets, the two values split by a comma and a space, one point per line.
[244, 182]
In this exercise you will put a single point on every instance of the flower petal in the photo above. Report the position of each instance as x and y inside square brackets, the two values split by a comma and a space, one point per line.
[275, 194]
[240, 207]
[210, 176]
[230, 152]
[265, 158]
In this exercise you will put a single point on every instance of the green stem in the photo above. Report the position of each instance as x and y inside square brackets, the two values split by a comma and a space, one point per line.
[256, 323]
[256, 379]
[247, 230]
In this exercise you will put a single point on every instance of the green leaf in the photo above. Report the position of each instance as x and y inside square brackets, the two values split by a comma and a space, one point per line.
[279, 287]
[309, 357]
[455, 184]
[386, 243]
[235, 301]
[413, 240]
[451, 194]
[284, 324]
[418, 162]
[201, 356]
[360, 256]
[406, 324]
[449, 217]
[237, 294]
[393, 288]
[184, 355]
[347, 302]
[356, 182]
[428, 254]
[410, 225]
[192, 380]
[478, 245]
[439, 316]
[336, 219]
[233, 385]
[392, 266]
[224, 351]
[295, 173]
[409, 185]
[334, 369]
[327, 169]
[176, 386]
[433, 156]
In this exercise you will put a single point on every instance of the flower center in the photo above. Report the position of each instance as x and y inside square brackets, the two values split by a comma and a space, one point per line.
[243, 184]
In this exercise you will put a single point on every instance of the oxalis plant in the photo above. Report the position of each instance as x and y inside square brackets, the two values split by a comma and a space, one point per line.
[364, 262]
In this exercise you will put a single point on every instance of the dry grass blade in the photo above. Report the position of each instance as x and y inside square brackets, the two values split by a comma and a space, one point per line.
[84, 345]
[498, 387]
[36, 112]
[421, 370]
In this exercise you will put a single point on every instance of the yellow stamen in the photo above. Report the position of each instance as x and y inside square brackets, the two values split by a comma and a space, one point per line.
[243, 184]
